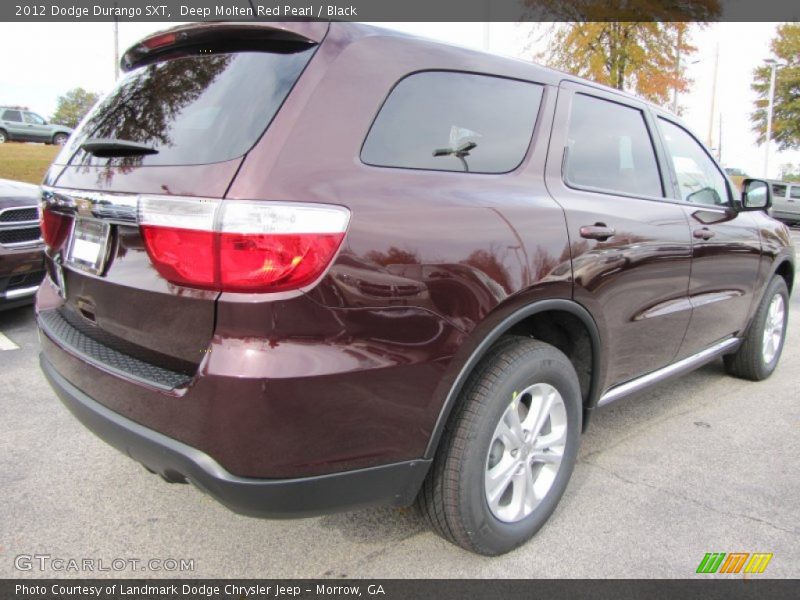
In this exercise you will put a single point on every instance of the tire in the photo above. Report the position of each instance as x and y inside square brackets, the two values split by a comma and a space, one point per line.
[3, 136]
[60, 139]
[455, 498]
[755, 359]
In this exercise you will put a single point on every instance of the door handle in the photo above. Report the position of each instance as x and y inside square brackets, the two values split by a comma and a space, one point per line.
[704, 233]
[598, 231]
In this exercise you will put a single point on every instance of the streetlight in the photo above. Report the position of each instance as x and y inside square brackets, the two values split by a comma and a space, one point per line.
[774, 67]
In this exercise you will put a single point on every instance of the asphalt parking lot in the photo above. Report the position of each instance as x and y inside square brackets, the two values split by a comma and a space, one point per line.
[705, 463]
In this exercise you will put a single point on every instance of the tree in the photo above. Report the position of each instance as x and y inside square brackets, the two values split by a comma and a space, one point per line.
[638, 57]
[631, 45]
[785, 47]
[789, 172]
[73, 106]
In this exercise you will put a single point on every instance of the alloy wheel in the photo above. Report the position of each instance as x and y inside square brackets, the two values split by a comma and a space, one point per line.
[526, 452]
[773, 328]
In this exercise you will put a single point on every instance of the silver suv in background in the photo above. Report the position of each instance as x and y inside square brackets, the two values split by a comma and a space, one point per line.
[20, 125]
[786, 201]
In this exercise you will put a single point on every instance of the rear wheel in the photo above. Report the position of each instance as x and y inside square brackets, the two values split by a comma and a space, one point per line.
[507, 454]
[60, 139]
[761, 348]
[3, 137]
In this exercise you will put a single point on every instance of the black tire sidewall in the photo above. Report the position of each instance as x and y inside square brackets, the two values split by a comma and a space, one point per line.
[490, 535]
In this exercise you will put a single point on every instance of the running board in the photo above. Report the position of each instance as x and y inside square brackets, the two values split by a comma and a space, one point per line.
[682, 366]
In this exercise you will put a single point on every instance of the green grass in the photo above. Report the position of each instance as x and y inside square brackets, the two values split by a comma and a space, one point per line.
[26, 162]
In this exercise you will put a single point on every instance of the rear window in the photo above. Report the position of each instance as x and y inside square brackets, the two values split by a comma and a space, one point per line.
[12, 115]
[193, 110]
[446, 121]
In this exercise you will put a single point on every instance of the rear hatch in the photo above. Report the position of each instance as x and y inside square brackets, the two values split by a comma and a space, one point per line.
[194, 101]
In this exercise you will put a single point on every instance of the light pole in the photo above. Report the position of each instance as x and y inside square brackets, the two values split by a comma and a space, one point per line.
[677, 70]
[774, 67]
[709, 139]
[116, 45]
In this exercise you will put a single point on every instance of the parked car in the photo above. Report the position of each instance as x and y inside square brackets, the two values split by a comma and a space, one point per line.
[20, 125]
[21, 246]
[786, 201]
[322, 266]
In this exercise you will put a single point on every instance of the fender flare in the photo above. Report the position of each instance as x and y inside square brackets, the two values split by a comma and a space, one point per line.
[486, 343]
[780, 260]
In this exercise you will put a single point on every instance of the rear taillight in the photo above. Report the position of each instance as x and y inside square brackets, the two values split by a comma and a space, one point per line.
[55, 227]
[240, 246]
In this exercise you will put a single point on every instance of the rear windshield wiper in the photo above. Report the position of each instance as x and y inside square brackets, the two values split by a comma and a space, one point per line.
[108, 147]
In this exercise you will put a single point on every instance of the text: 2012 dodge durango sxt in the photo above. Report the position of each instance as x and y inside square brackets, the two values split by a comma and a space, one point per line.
[310, 267]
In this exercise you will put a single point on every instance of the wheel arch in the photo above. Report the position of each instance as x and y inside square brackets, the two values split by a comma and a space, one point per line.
[516, 323]
[785, 269]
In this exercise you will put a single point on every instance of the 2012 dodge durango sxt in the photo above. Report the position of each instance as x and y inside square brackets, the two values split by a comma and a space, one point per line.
[309, 267]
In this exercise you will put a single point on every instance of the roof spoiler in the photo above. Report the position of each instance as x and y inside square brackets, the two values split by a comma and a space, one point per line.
[286, 37]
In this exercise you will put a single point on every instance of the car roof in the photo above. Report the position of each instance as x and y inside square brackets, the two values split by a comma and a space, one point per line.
[503, 65]
[349, 32]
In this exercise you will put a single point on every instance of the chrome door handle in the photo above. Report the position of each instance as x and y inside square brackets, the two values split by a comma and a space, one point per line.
[704, 233]
[598, 231]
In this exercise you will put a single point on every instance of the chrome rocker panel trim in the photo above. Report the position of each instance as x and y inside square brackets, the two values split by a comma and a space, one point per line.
[677, 368]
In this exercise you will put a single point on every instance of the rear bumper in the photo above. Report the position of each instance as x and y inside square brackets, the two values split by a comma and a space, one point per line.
[394, 485]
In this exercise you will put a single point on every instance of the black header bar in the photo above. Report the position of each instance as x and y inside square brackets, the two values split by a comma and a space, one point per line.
[400, 10]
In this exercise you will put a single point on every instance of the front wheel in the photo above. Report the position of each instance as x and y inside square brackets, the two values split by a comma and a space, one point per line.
[3, 137]
[507, 454]
[762, 345]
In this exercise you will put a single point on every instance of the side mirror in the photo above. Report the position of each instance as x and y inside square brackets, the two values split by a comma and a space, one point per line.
[756, 195]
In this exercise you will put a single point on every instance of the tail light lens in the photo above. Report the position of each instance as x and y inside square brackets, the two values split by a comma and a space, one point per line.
[54, 226]
[240, 246]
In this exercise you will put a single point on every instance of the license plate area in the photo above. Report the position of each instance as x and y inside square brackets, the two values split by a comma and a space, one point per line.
[88, 245]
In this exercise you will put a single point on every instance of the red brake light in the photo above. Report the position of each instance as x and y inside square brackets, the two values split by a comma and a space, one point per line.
[164, 39]
[54, 227]
[276, 262]
[240, 246]
[182, 256]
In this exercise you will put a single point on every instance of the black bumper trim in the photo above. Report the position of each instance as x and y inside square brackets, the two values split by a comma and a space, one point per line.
[394, 485]
[98, 354]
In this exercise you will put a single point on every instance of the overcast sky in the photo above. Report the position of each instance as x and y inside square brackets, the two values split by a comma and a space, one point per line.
[43, 60]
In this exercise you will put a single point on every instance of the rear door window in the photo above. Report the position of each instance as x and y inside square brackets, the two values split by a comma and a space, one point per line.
[610, 149]
[794, 192]
[195, 109]
[445, 121]
[779, 190]
[13, 115]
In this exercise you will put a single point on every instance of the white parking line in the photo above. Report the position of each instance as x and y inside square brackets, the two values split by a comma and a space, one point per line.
[7, 344]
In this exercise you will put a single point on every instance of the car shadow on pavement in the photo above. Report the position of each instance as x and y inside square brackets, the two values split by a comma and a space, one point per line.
[376, 525]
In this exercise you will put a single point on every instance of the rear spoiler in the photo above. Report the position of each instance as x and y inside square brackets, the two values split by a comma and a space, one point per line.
[286, 37]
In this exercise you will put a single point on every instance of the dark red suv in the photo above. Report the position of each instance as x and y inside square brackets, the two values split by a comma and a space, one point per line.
[310, 267]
